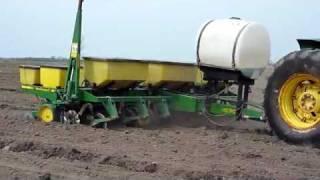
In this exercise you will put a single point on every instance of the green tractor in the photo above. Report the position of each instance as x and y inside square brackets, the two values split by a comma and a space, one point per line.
[292, 96]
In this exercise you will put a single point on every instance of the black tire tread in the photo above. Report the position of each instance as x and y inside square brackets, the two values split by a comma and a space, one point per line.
[304, 61]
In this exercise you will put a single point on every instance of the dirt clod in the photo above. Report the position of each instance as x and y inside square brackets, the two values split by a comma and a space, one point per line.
[6, 148]
[175, 151]
[46, 176]
[3, 106]
[253, 156]
[224, 136]
[53, 152]
[22, 147]
[75, 154]
[283, 159]
[151, 168]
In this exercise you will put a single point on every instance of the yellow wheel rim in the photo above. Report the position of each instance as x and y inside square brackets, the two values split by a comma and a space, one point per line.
[299, 102]
[46, 114]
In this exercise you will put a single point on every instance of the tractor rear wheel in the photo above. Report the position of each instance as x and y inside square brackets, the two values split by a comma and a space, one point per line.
[292, 97]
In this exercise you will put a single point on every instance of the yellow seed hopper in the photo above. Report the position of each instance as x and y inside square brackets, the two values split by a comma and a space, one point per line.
[54, 76]
[115, 73]
[29, 75]
[122, 73]
[171, 75]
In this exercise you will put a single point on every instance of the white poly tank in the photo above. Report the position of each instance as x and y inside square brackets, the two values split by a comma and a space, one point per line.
[234, 44]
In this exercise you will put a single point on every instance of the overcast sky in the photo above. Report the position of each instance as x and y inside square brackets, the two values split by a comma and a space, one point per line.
[147, 29]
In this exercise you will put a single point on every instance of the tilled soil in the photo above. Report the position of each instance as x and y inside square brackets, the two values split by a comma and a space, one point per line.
[186, 147]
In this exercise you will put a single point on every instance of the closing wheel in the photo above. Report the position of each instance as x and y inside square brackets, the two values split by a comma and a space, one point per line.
[292, 97]
[143, 122]
[154, 120]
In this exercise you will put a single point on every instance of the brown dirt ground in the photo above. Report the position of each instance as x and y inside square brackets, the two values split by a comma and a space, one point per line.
[187, 147]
